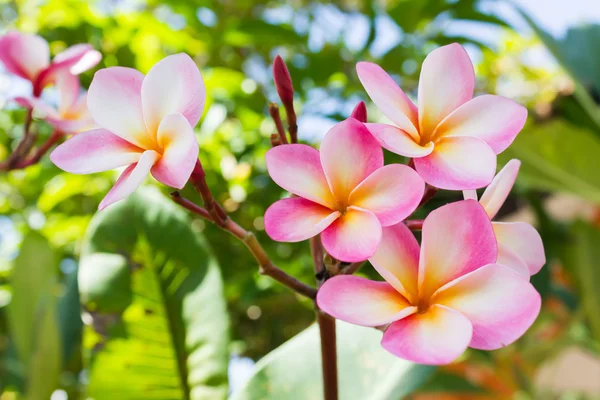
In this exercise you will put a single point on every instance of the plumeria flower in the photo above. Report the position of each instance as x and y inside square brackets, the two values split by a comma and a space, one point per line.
[147, 123]
[442, 298]
[71, 115]
[520, 246]
[344, 192]
[452, 137]
[28, 56]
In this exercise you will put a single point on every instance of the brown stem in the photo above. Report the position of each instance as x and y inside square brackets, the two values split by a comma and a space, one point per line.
[274, 111]
[414, 224]
[428, 195]
[266, 265]
[198, 180]
[328, 355]
[24, 144]
[41, 151]
[292, 121]
[352, 268]
[275, 140]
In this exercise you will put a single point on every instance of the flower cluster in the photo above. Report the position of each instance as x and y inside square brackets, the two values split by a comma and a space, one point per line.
[465, 285]
[28, 57]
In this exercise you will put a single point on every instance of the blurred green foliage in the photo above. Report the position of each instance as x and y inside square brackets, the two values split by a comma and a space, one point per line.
[46, 212]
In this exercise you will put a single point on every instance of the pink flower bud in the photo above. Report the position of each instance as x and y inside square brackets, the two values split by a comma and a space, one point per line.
[360, 112]
[283, 81]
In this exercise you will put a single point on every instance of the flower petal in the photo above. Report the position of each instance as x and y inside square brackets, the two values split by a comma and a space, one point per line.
[78, 58]
[458, 163]
[392, 193]
[94, 151]
[496, 193]
[457, 238]
[297, 168]
[24, 54]
[69, 90]
[447, 81]
[388, 97]
[398, 141]
[296, 219]
[436, 337]
[500, 304]
[494, 119]
[397, 260]
[349, 153]
[354, 236]
[130, 179]
[522, 239]
[180, 151]
[361, 301]
[114, 100]
[510, 259]
[173, 85]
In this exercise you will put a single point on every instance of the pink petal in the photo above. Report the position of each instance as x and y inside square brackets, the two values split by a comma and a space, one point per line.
[470, 194]
[457, 238]
[68, 126]
[77, 59]
[361, 301]
[114, 100]
[398, 141]
[392, 193]
[447, 81]
[388, 97]
[94, 151]
[510, 259]
[522, 239]
[349, 154]
[68, 90]
[354, 236]
[458, 163]
[494, 119]
[173, 85]
[500, 304]
[296, 219]
[180, 151]
[397, 260]
[24, 54]
[40, 107]
[297, 168]
[436, 337]
[496, 193]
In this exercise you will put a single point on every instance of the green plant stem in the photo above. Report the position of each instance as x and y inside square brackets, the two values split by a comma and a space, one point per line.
[266, 266]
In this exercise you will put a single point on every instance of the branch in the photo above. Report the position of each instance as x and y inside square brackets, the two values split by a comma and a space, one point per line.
[274, 111]
[267, 267]
[23, 147]
[428, 195]
[41, 151]
[328, 355]
[414, 224]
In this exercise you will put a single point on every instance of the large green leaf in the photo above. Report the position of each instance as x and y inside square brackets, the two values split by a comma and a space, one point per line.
[167, 337]
[557, 156]
[33, 319]
[365, 369]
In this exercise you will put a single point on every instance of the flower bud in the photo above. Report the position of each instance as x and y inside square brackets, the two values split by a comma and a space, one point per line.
[360, 112]
[283, 81]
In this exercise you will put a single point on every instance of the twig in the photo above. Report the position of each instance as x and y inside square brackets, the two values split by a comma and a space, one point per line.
[414, 224]
[24, 144]
[267, 267]
[290, 114]
[274, 111]
[198, 180]
[328, 355]
[428, 195]
[41, 151]
[352, 268]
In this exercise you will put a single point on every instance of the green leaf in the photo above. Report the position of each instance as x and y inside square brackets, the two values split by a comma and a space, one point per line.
[581, 258]
[69, 316]
[365, 369]
[170, 340]
[557, 156]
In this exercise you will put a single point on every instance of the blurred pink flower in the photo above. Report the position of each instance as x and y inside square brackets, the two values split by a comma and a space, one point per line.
[28, 56]
[146, 123]
[71, 115]
[442, 298]
[452, 137]
[520, 246]
[345, 192]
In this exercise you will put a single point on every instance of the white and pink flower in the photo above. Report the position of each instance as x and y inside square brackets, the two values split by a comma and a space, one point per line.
[441, 298]
[345, 193]
[146, 123]
[452, 137]
[28, 56]
[520, 246]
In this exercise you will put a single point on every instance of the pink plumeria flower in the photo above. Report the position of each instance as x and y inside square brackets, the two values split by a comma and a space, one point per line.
[441, 298]
[146, 123]
[28, 56]
[520, 246]
[71, 115]
[344, 192]
[452, 137]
